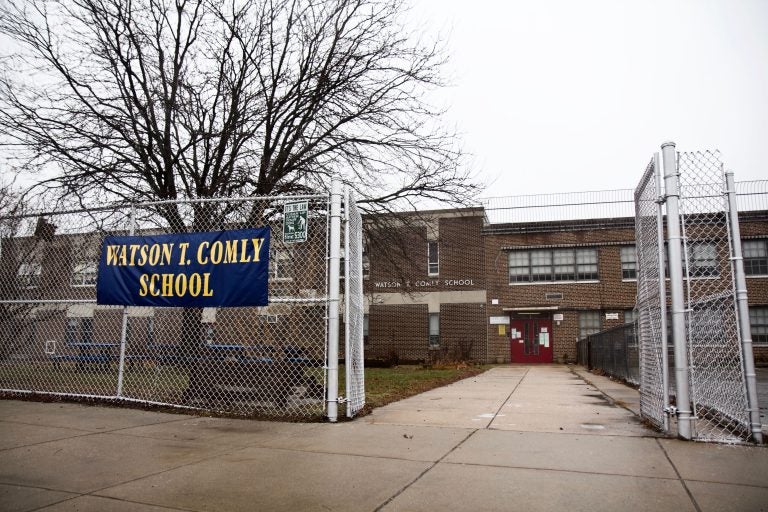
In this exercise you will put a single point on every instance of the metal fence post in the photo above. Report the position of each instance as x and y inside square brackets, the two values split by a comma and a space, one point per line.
[333, 302]
[124, 329]
[662, 293]
[672, 189]
[743, 310]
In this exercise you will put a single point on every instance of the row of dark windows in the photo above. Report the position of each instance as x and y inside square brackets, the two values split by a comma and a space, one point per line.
[547, 265]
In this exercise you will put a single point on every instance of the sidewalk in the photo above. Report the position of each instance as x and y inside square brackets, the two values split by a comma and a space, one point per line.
[492, 442]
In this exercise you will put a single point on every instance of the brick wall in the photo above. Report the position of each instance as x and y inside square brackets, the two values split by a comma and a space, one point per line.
[401, 266]
[462, 331]
[400, 331]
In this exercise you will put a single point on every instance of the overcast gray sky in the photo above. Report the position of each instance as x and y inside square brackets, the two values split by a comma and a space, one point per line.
[562, 95]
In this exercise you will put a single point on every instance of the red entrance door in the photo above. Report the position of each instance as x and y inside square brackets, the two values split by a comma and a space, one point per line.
[531, 340]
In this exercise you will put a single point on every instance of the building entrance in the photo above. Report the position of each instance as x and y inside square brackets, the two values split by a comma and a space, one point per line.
[530, 340]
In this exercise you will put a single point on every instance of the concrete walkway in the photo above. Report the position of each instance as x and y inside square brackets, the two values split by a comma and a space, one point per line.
[514, 438]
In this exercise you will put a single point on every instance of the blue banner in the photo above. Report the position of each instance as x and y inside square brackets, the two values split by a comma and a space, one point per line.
[215, 269]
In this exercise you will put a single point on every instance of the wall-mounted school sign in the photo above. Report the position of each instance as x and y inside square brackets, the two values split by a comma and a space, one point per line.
[214, 269]
[295, 222]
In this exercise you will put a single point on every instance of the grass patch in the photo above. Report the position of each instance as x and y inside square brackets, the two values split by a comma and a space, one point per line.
[386, 385]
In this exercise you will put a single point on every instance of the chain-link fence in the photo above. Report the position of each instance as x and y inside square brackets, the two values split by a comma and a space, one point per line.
[353, 314]
[255, 361]
[651, 301]
[717, 385]
[711, 356]
[613, 351]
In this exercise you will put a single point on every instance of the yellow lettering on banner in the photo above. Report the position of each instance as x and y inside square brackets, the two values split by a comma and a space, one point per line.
[183, 257]
[217, 251]
[143, 285]
[112, 254]
[181, 285]
[154, 255]
[142, 255]
[257, 243]
[175, 285]
[207, 292]
[195, 284]
[167, 253]
[200, 258]
[123, 257]
[152, 290]
[167, 286]
[133, 254]
[231, 256]
[244, 252]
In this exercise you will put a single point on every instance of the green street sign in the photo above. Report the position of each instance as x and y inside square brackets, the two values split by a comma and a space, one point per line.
[295, 222]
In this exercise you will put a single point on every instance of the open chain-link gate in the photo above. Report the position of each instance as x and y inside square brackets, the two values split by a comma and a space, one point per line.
[699, 276]
[253, 361]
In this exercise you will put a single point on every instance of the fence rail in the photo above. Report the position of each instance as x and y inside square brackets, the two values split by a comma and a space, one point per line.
[598, 204]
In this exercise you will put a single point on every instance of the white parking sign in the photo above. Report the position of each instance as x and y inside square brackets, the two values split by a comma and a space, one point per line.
[295, 222]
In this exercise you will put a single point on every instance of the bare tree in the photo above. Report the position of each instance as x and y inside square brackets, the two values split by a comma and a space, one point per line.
[181, 99]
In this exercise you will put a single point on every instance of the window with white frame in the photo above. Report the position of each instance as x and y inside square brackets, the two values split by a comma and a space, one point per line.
[755, 254]
[433, 258]
[702, 259]
[758, 322]
[628, 262]
[280, 266]
[434, 330]
[84, 273]
[543, 265]
[29, 274]
[589, 323]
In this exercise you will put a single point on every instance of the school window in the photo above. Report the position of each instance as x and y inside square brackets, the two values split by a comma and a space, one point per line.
[702, 260]
[758, 322]
[589, 323]
[630, 316]
[29, 275]
[84, 274]
[755, 254]
[434, 330]
[365, 329]
[628, 262]
[280, 267]
[433, 259]
[552, 265]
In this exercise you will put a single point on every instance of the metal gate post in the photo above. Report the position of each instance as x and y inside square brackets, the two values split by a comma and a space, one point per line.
[742, 310]
[124, 330]
[672, 189]
[333, 303]
[662, 292]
